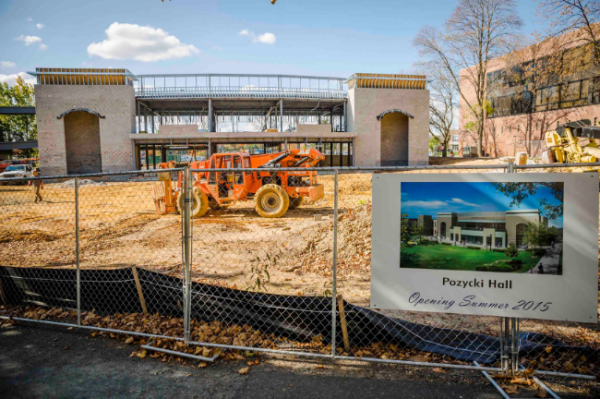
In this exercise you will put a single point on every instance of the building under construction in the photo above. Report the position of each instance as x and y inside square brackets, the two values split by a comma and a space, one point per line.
[104, 120]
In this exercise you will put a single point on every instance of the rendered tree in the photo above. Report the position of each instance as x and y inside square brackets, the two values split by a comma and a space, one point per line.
[518, 192]
[476, 32]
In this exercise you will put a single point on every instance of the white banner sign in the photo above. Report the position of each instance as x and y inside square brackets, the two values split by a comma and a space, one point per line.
[513, 245]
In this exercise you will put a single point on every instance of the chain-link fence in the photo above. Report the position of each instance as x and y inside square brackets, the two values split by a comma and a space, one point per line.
[213, 259]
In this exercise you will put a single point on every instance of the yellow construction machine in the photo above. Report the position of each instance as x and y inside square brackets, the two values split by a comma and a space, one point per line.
[564, 144]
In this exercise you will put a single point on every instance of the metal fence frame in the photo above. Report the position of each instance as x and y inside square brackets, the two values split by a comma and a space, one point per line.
[509, 326]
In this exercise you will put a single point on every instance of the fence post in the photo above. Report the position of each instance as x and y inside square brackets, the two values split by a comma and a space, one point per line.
[187, 253]
[334, 266]
[78, 272]
[511, 329]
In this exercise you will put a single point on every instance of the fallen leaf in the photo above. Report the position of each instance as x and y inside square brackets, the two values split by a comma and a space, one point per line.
[129, 340]
[244, 370]
[510, 388]
[141, 354]
[540, 393]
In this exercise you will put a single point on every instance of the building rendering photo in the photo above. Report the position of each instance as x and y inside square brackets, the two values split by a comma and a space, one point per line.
[482, 226]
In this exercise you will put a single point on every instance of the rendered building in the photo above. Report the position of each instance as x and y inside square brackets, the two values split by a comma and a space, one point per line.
[500, 229]
[107, 120]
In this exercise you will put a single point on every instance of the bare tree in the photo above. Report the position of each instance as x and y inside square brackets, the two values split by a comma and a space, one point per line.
[577, 18]
[476, 32]
[545, 76]
[443, 106]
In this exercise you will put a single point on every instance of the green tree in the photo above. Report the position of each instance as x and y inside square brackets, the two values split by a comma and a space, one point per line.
[18, 127]
[405, 229]
[540, 235]
[519, 192]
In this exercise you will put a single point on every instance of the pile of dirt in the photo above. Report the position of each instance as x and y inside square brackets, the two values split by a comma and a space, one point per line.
[354, 244]
[82, 182]
[26, 235]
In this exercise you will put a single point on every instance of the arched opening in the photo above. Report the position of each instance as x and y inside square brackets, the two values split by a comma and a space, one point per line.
[394, 139]
[82, 140]
[521, 235]
[443, 230]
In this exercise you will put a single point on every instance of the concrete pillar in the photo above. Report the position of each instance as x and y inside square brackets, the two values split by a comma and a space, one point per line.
[281, 117]
[343, 122]
[208, 151]
[210, 115]
[139, 116]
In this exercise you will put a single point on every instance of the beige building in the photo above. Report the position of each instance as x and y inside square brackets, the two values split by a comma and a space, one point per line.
[107, 120]
[530, 93]
[495, 229]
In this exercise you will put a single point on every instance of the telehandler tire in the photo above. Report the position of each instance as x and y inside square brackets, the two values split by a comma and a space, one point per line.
[295, 203]
[199, 203]
[271, 201]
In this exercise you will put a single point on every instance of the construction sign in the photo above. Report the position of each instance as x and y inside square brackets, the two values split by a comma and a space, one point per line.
[513, 245]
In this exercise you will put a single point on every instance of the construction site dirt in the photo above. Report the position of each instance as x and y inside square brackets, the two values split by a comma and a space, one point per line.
[232, 247]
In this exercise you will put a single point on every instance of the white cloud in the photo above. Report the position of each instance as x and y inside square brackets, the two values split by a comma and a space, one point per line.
[142, 43]
[216, 48]
[29, 40]
[265, 38]
[12, 79]
[425, 204]
[43, 47]
[39, 26]
[462, 202]
[7, 64]
[30, 19]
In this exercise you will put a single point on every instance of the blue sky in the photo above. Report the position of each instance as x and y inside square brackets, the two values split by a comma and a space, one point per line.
[431, 198]
[309, 37]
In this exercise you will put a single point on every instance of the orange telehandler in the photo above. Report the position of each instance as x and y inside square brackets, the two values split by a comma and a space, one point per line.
[273, 192]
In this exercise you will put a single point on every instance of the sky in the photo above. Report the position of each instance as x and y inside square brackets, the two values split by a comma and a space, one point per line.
[299, 37]
[431, 198]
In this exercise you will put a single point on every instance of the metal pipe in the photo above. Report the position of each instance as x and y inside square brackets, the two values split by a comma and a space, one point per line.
[334, 268]
[187, 216]
[182, 354]
[514, 348]
[78, 282]
[110, 330]
[541, 384]
[494, 383]
[557, 374]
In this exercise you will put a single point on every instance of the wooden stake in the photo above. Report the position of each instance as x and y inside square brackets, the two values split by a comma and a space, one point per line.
[2, 294]
[340, 300]
[139, 289]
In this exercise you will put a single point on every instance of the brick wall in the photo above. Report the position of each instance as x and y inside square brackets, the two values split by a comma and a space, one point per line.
[115, 103]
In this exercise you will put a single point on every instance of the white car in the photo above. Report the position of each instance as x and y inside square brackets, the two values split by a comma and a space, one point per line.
[17, 171]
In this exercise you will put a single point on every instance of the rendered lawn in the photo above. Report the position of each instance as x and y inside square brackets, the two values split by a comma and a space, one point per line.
[446, 257]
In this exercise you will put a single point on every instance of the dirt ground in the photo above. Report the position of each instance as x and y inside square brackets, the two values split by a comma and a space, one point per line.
[233, 247]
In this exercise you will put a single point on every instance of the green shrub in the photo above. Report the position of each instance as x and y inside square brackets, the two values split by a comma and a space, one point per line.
[424, 239]
[498, 250]
[472, 247]
[446, 243]
[511, 251]
[482, 268]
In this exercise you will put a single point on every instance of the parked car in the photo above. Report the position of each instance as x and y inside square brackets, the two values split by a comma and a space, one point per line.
[17, 171]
